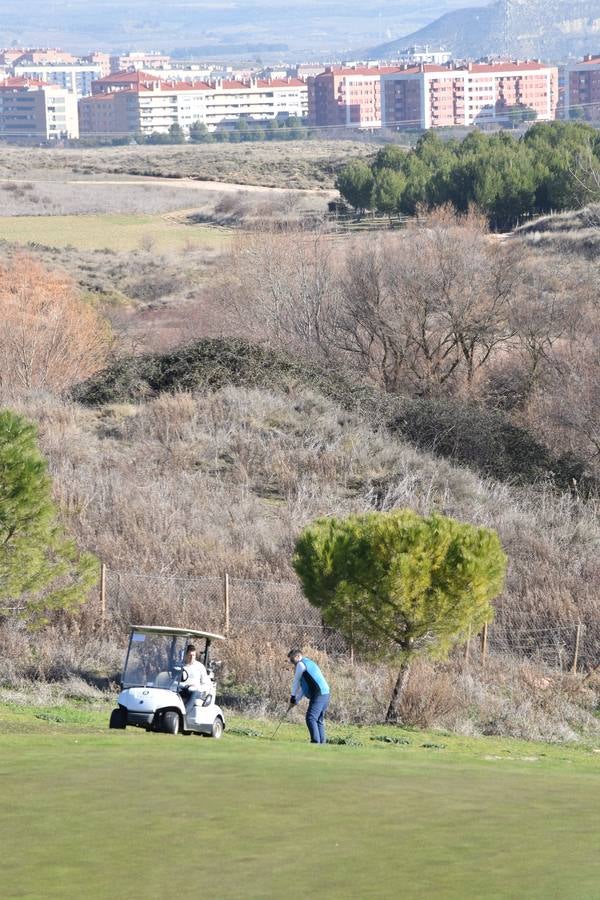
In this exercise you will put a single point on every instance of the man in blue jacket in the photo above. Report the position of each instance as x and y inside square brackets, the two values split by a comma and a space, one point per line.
[310, 682]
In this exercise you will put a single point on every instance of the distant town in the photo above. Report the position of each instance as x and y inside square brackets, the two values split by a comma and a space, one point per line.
[48, 95]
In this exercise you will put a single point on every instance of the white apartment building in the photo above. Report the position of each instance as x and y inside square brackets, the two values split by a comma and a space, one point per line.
[187, 73]
[76, 78]
[138, 61]
[433, 56]
[31, 111]
[157, 105]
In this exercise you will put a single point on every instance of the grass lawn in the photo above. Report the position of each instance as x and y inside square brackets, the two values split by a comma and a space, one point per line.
[110, 232]
[89, 812]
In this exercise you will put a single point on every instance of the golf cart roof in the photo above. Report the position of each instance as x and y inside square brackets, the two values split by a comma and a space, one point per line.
[187, 632]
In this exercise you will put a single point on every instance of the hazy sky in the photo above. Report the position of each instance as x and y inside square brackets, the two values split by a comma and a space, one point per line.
[309, 27]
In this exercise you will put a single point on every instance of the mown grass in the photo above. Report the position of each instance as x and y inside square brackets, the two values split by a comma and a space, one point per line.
[126, 814]
[109, 232]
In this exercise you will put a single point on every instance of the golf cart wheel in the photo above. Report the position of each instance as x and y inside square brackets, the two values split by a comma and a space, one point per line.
[118, 718]
[171, 722]
[217, 729]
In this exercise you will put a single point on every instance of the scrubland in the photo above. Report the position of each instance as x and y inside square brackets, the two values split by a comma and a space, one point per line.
[293, 164]
[211, 482]
[436, 367]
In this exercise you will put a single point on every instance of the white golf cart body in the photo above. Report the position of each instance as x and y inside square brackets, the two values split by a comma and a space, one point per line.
[153, 694]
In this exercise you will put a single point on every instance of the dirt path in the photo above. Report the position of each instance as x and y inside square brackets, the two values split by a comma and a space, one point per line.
[225, 187]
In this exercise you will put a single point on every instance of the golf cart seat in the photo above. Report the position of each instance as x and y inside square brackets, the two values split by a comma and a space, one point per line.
[163, 680]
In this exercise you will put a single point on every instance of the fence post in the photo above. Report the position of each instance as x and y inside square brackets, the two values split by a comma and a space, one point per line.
[468, 646]
[484, 643]
[576, 648]
[102, 594]
[226, 603]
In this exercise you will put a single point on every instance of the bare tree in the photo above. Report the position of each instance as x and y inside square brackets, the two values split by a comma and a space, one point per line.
[426, 309]
[281, 288]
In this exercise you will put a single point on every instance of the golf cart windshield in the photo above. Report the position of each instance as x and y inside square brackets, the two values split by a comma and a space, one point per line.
[154, 660]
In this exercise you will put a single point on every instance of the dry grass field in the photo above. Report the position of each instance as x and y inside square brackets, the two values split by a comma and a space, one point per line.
[292, 164]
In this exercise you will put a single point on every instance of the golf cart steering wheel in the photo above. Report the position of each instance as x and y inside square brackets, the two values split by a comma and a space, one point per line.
[184, 676]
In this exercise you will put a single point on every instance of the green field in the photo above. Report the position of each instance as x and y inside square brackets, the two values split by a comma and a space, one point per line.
[89, 812]
[109, 232]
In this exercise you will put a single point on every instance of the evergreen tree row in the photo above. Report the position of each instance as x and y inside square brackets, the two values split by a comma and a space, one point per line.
[553, 166]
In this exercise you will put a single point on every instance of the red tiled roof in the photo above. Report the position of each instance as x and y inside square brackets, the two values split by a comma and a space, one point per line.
[10, 83]
[476, 68]
[281, 82]
[507, 67]
[101, 98]
[185, 86]
[127, 78]
[359, 70]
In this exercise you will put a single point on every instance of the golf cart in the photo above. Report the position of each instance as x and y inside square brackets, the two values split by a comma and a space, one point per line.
[153, 693]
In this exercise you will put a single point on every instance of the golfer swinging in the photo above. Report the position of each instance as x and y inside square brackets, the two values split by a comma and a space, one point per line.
[310, 682]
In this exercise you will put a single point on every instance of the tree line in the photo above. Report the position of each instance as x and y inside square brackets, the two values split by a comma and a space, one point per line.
[549, 168]
[290, 129]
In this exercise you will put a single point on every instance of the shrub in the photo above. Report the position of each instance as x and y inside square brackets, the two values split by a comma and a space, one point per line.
[487, 441]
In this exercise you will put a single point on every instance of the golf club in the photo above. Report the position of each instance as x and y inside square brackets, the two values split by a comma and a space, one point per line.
[280, 723]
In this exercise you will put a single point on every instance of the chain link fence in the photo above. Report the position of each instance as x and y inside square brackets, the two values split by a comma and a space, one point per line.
[279, 612]
[222, 605]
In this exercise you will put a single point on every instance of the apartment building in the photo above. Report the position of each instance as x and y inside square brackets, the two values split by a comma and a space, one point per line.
[188, 73]
[431, 96]
[582, 89]
[347, 95]
[8, 56]
[74, 77]
[124, 81]
[142, 104]
[33, 111]
[40, 56]
[97, 58]
[138, 61]
[256, 100]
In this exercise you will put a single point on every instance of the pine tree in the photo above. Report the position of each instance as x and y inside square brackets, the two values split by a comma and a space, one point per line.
[400, 585]
[40, 568]
[355, 184]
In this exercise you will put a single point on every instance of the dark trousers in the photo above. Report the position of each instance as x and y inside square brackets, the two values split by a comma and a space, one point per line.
[315, 716]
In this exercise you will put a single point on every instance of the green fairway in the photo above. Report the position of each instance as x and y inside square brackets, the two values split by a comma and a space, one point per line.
[109, 232]
[89, 812]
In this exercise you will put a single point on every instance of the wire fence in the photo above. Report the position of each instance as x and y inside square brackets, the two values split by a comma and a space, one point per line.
[223, 605]
[280, 612]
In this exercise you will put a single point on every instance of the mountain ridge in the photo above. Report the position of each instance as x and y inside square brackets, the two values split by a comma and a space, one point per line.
[553, 31]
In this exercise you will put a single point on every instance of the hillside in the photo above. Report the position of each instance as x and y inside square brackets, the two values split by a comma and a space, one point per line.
[551, 31]
[191, 484]
[481, 438]
[568, 233]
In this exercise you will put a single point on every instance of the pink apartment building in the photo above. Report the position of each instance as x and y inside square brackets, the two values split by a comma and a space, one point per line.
[430, 96]
[582, 89]
[347, 95]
